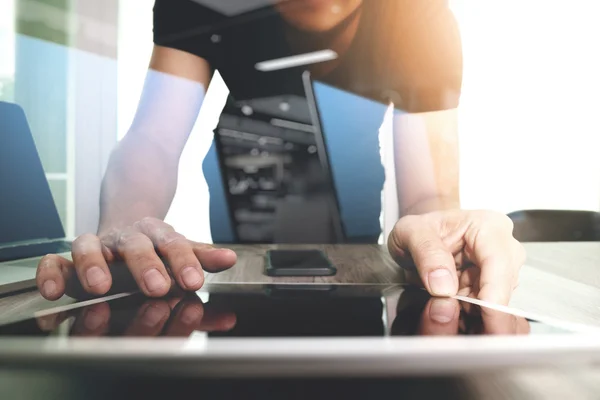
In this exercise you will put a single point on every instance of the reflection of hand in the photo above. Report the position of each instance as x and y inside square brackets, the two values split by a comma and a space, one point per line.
[447, 316]
[176, 317]
[138, 247]
[471, 253]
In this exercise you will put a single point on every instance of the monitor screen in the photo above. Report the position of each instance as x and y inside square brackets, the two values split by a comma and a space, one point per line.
[352, 151]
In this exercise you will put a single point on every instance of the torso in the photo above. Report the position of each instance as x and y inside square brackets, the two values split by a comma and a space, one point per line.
[364, 67]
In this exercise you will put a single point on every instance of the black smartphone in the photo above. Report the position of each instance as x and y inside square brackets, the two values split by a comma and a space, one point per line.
[298, 263]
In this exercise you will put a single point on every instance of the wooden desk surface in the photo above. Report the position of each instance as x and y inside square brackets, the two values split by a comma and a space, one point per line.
[355, 264]
[560, 280]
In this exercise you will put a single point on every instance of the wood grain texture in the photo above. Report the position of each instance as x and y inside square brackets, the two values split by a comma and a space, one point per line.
[561, 280]
[355, 264]
[26, 304]
[577, 261]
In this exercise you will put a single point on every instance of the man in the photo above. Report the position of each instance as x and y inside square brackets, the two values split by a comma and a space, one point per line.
[401, 52]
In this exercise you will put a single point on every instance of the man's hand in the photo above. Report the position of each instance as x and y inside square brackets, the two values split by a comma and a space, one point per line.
[471, 253]
[139, 247]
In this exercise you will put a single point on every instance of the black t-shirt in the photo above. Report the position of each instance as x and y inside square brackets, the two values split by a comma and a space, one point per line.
[405, 51]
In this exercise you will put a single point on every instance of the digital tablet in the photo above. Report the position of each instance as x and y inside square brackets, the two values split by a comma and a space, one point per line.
[251, 329]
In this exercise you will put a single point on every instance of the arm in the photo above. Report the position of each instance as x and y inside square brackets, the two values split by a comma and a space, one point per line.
[426, 147]
[427, 161]
[141, 176]
[439, 247]
[136, 193]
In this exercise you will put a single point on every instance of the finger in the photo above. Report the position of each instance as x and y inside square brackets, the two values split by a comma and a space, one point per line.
[150, 319]
[499, 260]
[217, 320]
[52, 274]
[440, 317]
[146, 267]
[412, 278]
[187, 317]
[177, 250]
[497, 322]
[468, 282]
[434, 262]
[212, 259]
[90, 265]
[173, 302]
[49, 323]
[523, 327]
[469, 308]
[93, 321]
[194, 316]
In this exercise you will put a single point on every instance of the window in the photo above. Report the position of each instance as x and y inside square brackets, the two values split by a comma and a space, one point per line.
[56, 64]
[7, 49]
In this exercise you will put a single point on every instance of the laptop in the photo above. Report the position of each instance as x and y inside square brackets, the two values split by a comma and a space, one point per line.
[30, 225]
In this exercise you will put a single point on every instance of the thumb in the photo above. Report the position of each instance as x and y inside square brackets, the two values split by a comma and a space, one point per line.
[214, 259]
[433, 260]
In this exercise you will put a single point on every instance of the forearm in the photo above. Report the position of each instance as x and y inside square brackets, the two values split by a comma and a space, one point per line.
[427, 162]
[140, 181]
[141, 177]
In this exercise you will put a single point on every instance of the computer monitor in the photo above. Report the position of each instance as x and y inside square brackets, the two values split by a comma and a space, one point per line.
[349, 152]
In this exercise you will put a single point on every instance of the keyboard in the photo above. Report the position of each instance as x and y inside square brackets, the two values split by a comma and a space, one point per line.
[34, 250]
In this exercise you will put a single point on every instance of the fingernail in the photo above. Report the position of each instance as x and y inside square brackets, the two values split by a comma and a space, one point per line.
[152, 316]
[154, 280]
[442, 310]
[191, 277]
[95, 276]
[49, 288]
[441, 282]
[93, 320]
[190, 315]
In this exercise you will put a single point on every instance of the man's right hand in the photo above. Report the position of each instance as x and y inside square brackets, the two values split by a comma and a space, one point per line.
[139, 247]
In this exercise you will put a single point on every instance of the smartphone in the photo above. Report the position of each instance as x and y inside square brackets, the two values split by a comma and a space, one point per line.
[298, 263]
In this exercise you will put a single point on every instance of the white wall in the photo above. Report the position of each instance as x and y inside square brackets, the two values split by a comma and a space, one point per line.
[529, 125]
[92, 107]
[91, 103]
[133, 54]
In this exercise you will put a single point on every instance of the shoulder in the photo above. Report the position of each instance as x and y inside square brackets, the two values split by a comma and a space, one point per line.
[184, 25]
[418, 46]
[177, 16]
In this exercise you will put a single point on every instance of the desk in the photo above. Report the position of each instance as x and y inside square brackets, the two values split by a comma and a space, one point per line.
[560, 280]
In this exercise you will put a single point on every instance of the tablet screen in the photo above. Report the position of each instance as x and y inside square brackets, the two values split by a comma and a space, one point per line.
[257, 310]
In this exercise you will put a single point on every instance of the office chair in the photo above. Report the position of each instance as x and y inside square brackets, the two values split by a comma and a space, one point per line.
[556, 225]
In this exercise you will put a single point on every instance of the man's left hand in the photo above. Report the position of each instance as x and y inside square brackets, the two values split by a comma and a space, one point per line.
[470, 253]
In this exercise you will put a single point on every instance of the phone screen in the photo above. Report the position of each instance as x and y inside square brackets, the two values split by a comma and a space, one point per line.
[298, 259]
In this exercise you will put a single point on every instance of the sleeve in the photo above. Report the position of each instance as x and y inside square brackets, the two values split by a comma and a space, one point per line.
[186, 25]
[431, 68]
